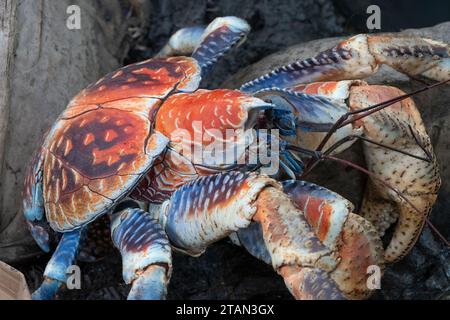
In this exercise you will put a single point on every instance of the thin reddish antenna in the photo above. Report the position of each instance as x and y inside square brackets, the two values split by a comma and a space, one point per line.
[317, 154]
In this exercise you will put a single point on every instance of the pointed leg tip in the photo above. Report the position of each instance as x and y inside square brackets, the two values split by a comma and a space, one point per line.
[47, 290]
[235, 24]
[310, 284]
[150, 285]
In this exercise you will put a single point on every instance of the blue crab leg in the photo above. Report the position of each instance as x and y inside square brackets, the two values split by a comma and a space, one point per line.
[146, 253]
[209, 208]
[33, 203]
[359, 57]
[55, 272]
[208, 44]
[183, 42]
[220, 36]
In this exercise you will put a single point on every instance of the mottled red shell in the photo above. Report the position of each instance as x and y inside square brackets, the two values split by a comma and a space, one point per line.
[102, 145]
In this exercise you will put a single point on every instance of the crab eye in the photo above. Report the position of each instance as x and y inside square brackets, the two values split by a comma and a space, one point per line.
[285, 122]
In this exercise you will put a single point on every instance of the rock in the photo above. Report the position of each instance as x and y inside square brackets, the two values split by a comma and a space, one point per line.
[422, 274]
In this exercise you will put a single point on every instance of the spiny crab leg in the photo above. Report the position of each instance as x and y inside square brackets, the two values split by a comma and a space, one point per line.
[207, 44]
[361, 56]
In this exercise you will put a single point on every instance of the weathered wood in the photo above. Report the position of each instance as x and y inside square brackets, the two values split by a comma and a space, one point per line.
[7, 36]
[12, 284]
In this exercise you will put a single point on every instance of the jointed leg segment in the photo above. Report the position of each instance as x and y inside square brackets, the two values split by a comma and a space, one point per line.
[55, 274]
[146, 253]
[306, 252]
[359, 57]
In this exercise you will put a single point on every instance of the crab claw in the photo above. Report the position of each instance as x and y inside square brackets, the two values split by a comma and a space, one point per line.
[353, 238]
[295, 251]
[310, 236]
[401, 127]
[310, 284]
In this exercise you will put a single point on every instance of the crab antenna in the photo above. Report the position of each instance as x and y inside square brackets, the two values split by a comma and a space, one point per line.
[399, 193]
[316, 156]
[352, 137]
[343, 121]
[312, 153]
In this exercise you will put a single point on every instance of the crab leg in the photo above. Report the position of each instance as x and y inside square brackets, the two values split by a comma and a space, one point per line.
[208, 44]
[211, 208]
[182, 42]
[349, 236]
[146, 254]
[397, 150]
[359, 57]
[55, 271]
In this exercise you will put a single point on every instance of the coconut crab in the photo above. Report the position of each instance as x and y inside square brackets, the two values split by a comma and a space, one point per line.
[114, 145]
